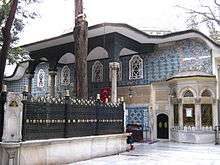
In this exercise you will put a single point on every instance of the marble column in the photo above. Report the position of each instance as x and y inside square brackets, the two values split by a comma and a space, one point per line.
[218, 87]
[52, 83]
[30, 78]
[114, 66]
[218, 82]
[198, 116]
[215, 113]
[181, 115]
[171, 114]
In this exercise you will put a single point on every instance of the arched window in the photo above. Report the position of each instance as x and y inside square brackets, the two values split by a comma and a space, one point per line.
[206, 93]
[65, 75]
[136, 67]
[97, 72]
[41, 78]
[188, 93]
[206, 115]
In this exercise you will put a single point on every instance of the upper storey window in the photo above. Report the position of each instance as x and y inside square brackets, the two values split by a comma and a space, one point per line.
[65, 75]
[136, 67]
[97, 72]
[41, 78]
[206, 93]
[188, 93]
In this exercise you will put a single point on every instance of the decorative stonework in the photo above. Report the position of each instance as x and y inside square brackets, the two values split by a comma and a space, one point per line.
[138, 115]
[13, 118]
[97, 72]
[136, 68]
[114, 69]
[41, 78]
[119, 72]
[65, 75]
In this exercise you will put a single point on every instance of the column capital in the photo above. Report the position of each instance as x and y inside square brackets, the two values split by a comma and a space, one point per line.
[114, 65]
[30, 75]
[52, 72]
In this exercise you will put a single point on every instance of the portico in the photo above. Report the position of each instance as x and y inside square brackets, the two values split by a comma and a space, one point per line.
[193, 98]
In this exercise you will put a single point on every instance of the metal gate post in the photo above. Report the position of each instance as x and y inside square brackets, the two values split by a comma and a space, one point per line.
[216, 135]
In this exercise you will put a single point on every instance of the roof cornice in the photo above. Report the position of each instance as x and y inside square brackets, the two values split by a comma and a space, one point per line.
[124, 29]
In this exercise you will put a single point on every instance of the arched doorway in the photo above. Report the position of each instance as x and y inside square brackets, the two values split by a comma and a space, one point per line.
[162, 126]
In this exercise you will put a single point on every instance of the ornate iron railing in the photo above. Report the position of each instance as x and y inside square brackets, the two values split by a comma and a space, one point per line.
[46, 118]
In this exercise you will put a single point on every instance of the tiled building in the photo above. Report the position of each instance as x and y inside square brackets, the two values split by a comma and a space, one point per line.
[169, 82]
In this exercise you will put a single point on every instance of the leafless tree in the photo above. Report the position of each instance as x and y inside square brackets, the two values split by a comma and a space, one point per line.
[207, 13]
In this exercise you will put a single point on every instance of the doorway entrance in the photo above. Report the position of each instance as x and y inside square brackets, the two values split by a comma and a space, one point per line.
[162, 126]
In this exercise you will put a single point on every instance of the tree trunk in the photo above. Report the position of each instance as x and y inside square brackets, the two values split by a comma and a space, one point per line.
[81, 50]
[6, 32]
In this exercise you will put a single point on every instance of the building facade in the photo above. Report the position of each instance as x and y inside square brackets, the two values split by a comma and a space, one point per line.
[169, 82]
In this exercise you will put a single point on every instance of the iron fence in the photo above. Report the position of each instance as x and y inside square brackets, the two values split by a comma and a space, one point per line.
[46, 118]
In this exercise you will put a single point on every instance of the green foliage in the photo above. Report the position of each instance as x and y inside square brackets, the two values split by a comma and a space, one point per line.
[16, 55]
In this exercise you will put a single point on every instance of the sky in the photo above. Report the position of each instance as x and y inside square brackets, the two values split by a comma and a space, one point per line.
[57, 16]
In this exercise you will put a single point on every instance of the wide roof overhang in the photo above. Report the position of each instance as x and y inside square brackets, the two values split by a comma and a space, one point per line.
[124, 29]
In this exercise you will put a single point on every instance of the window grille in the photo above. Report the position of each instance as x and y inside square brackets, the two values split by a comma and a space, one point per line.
[188, 93]
[206, 93]
[136, 67]
[97, 72]
[65, 75]
[41, 78]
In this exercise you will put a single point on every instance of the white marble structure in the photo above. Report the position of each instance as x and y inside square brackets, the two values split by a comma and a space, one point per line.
[13, 118]
[114, 66]
[62, 151]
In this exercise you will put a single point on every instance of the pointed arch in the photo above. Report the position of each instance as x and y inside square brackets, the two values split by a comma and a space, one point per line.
[206, 93]
[188, 93]
[183, 90]
[136, 67]
[97, 72]
[97, 53]
[65, 75]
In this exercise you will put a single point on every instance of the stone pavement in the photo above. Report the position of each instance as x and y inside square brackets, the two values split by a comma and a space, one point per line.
[163, 153]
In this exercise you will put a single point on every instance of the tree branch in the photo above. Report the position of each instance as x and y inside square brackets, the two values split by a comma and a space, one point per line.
[217, 3]
[7, 39]
[207, 15]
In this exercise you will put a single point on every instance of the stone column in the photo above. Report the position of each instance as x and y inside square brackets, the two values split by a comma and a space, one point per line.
[30, 78]
[52, 83]
[12, 131]
[198, 115]
[114, 66]
[181, 115]
[171, 113]
[218, 93]
[12, 118]
[215, 113]
[218, 82]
